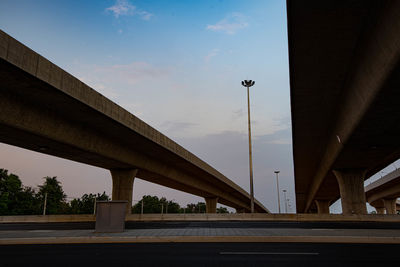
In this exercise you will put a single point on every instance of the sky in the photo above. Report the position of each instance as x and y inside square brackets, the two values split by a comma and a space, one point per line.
[178, 66]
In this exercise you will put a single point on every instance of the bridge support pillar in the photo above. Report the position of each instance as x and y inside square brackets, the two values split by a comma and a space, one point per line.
[352, 194]
[211, 204]
[323, 206]
[380, 210]
[390, 205]
[123, 185]
[240, 210]
[379, 205]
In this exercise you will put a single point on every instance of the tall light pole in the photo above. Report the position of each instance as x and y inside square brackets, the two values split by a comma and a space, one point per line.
[248, 84]
[277, 190]
[284, 195]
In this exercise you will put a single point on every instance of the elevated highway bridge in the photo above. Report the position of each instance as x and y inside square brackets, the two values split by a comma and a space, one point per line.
[383, 193]
[45, 109]
[344, 61]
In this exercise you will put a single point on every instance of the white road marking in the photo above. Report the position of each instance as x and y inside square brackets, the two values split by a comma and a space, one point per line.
[267, 253]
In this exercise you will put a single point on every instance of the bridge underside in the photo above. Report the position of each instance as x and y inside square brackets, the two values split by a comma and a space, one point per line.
[345, 75]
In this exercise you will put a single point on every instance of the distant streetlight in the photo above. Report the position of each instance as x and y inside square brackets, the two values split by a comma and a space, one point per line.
[248, 84]
[45, 204]
[284, 195]
[277, 190]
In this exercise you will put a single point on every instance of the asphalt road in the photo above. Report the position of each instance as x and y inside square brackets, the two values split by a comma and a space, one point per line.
[200, 254]
[205, 224]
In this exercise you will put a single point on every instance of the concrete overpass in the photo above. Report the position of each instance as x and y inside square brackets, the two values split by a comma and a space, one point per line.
[45, 109]
[383, 193]
[344, 79]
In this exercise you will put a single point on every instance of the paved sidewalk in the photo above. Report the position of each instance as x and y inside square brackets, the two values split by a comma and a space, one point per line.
[203, 235]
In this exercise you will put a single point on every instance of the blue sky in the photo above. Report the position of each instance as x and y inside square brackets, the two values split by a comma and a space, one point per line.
[177, 65]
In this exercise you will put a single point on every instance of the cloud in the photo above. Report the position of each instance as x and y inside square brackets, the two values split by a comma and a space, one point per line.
[109, 79]
[144, 15]
[238, 113]
[210, 55]
[129, 73]
[124, 8]
[176, 126]
[230, 24]
[280, 137]
[284, 121]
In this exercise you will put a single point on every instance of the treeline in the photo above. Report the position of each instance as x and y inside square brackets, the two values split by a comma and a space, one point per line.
[153, 204]
[17, 199]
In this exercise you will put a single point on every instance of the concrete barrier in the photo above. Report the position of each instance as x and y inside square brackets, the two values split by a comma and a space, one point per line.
[210, 217]
[47, 218]
[264, 217]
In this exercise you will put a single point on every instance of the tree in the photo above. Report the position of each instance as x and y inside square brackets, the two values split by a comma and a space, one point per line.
[16, 199]
[85, 204]
[171, 207]
[55, 196]
[222, 210]
[152, 204]
[200, 207]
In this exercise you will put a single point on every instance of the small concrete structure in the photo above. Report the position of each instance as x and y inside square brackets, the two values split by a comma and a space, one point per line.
[110, 216]
[383, 193]
[45, 109]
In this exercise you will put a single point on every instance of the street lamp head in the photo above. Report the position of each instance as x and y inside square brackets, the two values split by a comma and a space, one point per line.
[248, 83]
[276, 171]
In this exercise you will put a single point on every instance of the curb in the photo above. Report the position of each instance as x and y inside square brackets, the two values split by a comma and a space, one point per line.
[202, 239]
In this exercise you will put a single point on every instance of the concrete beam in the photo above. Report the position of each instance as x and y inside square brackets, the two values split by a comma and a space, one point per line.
[122, 180]
[388, 193]
[211, 204]
[323, 206]
[351, 185]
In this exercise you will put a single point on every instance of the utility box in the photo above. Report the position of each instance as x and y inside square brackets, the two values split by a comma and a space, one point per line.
[110, 216]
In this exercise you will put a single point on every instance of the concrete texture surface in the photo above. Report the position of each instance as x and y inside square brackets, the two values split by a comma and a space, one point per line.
[344, 75]
[383, 193]
[306, 217]
[202, 235]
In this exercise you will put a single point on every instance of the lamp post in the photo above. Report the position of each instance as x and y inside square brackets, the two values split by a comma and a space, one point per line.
[277, 190]
[248, 84]
[284, 195]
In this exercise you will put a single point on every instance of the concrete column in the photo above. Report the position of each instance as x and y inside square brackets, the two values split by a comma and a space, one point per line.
[240, 210]
[379, 206]
[352, 194]
[390, 205]
[123, 185]
[323, 206]
[380, 210]
[211, 204]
